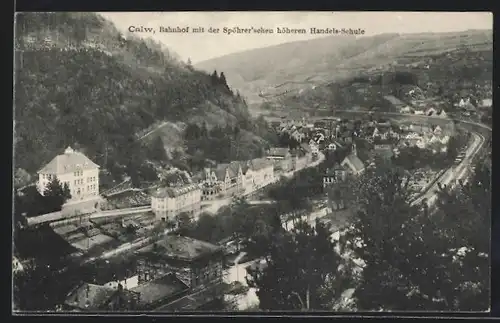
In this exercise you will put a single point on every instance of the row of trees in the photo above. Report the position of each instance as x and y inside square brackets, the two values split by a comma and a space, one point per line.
[240, 220]
[414, 257]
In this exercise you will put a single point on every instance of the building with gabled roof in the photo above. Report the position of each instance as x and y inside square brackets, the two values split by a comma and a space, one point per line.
[334, 175]
[278, 153]
[352, 162]
[94, 298]
[197, 264]
[74, 169]
[262, 171]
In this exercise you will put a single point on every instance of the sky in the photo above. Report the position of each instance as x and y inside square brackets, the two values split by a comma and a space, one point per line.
[202, 46]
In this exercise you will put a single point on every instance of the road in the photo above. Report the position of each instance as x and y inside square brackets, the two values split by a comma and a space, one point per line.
[213, 206]
[158, 127]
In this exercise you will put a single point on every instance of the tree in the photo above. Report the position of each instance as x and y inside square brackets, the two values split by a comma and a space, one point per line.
[130, 229]
[157, 150]
[464, 214]
[410, 253]
[297, 270]
[21, 178]
[184, 222]
[393, 241]
[55, 195]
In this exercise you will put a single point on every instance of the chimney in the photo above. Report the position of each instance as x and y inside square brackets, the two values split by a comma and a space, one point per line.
[69, 150]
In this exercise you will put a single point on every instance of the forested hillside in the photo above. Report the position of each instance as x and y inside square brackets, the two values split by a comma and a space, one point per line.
[79, 81]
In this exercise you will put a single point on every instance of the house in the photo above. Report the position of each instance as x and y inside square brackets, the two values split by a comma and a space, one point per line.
[438, 131]
[433, 139]
[79, 174]
[336, 145]
[405, 109]
[168, 202]
[430, 112]
[486, 103]
[281, 158]
[93, 298]
[419, 128]
[73, 169]
[380, 132]
[410, 142]
[297, 135]
[334, 175]
[210, 185]
[464, 103]
[437, 147]
[318, 137]
[195, 263]
[278, 153]
[412, 135]
[421, 143]
[314, 148]
[445, 139]
[160, 289]
[352, 162]
[128, 283]
[262, 171]
[383, 148]
[441, 113]
[230, 178]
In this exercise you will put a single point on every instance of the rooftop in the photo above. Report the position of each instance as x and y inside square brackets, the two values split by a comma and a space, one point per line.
[93, 297]
[259, 163]
[68, 162]
[278, 151]
[356, 163]
[181, 248]
[159, 289]
[173, 192]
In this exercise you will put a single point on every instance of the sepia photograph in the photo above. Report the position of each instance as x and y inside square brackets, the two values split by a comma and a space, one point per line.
[222, 162]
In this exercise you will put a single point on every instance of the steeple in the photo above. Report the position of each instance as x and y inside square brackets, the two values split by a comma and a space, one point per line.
[354, 148]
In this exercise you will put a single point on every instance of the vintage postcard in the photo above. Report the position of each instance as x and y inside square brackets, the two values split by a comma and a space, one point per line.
[252, 161]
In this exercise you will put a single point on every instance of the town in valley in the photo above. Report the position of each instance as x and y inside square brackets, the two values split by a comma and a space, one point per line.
[144, 182]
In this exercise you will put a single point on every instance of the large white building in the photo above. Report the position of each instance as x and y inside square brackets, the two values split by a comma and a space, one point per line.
[168, 202]
[74, 169]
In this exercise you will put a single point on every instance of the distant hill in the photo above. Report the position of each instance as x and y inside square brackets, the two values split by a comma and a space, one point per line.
[79, 81]
[291, 67]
